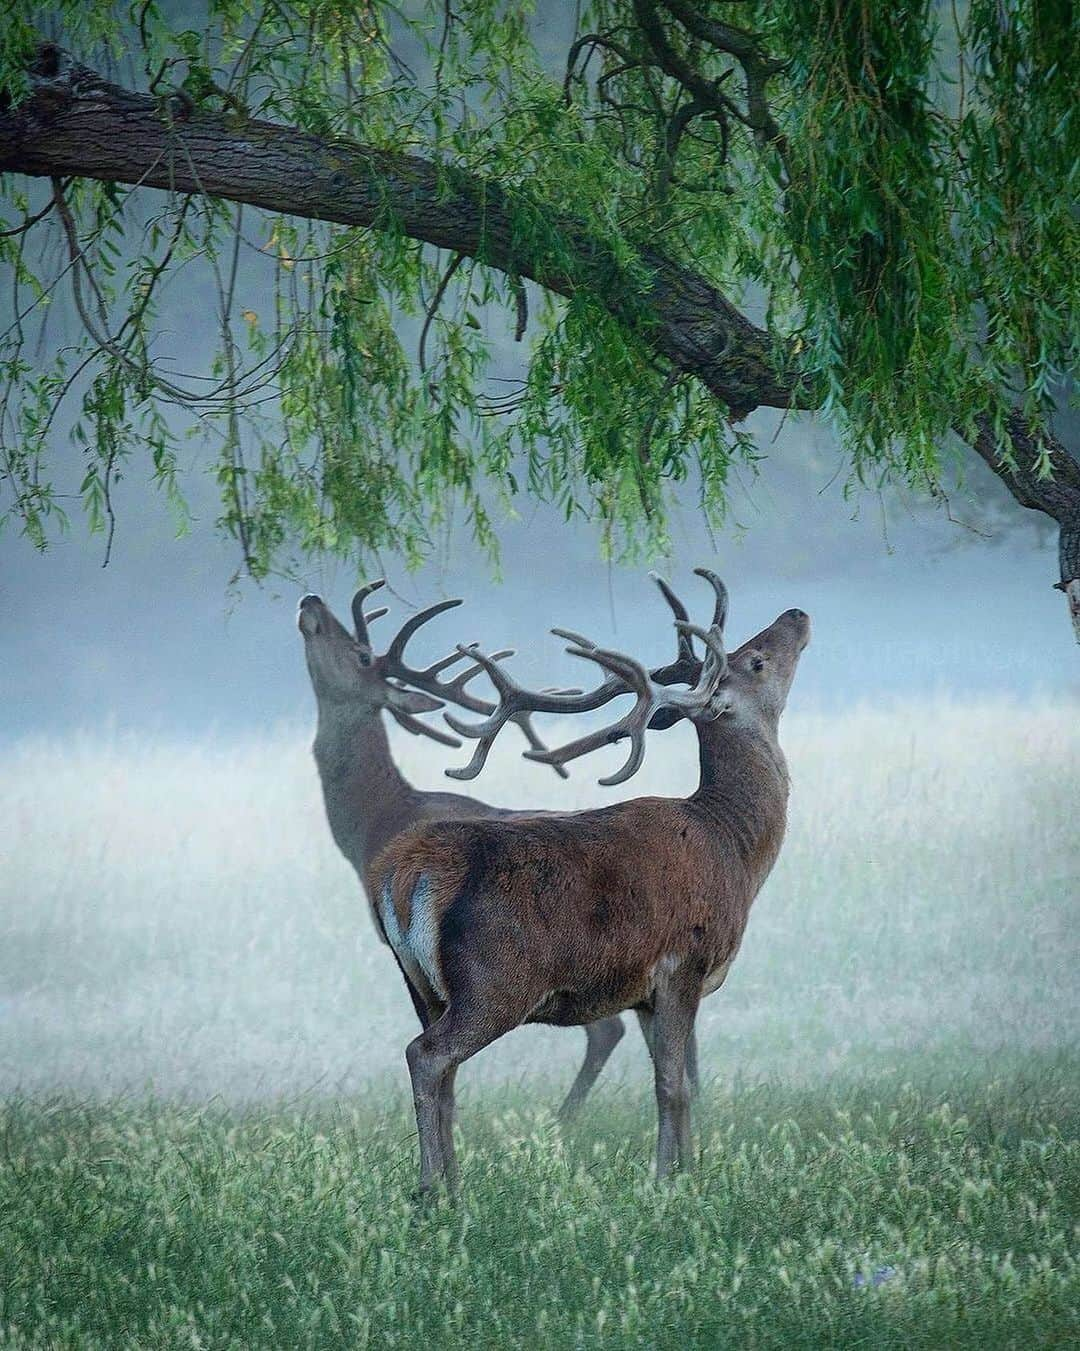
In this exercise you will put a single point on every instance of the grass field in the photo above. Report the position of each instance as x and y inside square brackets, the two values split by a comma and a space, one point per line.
[205, 1138]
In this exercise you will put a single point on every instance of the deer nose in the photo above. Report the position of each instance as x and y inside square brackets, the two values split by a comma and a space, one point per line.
[800, 621]
[308, 614]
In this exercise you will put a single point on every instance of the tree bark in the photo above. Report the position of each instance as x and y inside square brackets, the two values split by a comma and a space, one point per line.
[1057, 496]
[77, 123]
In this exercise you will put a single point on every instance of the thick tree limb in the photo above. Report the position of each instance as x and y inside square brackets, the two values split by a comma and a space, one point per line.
[75, 122]
[1057, 496]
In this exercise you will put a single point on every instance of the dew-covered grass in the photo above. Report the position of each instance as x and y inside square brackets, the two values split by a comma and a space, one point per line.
[205, 1138]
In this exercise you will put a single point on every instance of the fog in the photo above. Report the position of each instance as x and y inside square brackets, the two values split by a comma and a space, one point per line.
[173, 913]
[904, 603]
[176, 919]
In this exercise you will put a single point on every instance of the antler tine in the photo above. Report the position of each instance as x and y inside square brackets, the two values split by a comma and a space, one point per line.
[685, 651]
[360, 620]
[524, 721]
[576, 638]
[711, 638]
[419, 728]
[476, 764]
[452, 658]
[455, 689]
[687, 667]
[394, 652]
[632, 677]
[720, 609]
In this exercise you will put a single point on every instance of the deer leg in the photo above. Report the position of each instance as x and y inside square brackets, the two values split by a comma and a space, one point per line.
[601, 1039]
[693, 1078]
[427, 1066]
[693, 1082]
[433, 1059]
[673, 1025]
[646, 1023]
[446, 1128]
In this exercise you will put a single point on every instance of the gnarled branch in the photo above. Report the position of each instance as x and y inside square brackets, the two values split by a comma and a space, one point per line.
[76, 122]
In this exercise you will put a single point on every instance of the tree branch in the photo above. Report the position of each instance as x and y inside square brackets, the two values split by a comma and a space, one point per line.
[75, 122]
[1042, 476]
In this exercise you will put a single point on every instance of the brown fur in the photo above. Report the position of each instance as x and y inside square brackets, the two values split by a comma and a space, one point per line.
[571, 918]
[583, 907]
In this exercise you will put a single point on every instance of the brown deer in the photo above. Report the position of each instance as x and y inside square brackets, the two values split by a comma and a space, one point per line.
[368, 801]
[569, 919]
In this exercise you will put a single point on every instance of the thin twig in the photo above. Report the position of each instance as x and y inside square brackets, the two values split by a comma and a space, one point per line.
[30, 220]
[436, 301]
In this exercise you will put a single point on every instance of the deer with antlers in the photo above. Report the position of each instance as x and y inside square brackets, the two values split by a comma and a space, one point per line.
[368, 801]
[572, 918]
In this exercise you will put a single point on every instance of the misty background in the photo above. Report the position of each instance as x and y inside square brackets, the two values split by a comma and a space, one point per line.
[904, 600]
[174, 916]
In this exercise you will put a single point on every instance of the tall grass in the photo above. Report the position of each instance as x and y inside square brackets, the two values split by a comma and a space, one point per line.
[175, 918]
[206, 1138]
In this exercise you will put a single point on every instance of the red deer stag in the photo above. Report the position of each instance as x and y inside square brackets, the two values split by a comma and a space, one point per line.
[568, 919]
[368, 801]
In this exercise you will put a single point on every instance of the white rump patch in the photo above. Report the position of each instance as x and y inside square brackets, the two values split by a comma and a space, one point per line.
[417, 949]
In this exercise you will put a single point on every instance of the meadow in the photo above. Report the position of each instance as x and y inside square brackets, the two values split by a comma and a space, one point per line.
[205, 1133]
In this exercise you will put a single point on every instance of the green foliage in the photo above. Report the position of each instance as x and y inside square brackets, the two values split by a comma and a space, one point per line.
[865, 228]
[916, 251]
[1019, 149]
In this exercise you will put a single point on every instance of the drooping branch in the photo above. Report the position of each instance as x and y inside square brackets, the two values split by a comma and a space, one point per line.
[757, 68]
[76, 122]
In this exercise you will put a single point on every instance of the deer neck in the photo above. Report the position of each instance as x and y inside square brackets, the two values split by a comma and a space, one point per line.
[743, 789]
[368, 800]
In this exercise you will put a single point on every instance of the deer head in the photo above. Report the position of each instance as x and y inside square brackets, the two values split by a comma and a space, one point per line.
[760, 673]
[347, 672]
[349, 677]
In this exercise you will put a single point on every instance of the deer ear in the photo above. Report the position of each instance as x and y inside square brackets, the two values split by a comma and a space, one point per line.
[410, 701]
[664, 718]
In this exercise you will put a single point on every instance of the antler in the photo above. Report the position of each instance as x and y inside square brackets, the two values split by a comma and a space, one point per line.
[652, 698]
[391, 665]
[516, 704]
[657, 704]
[361, 620]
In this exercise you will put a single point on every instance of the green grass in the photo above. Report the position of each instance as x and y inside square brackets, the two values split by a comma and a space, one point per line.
[149, 1224]
[204, 1131]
